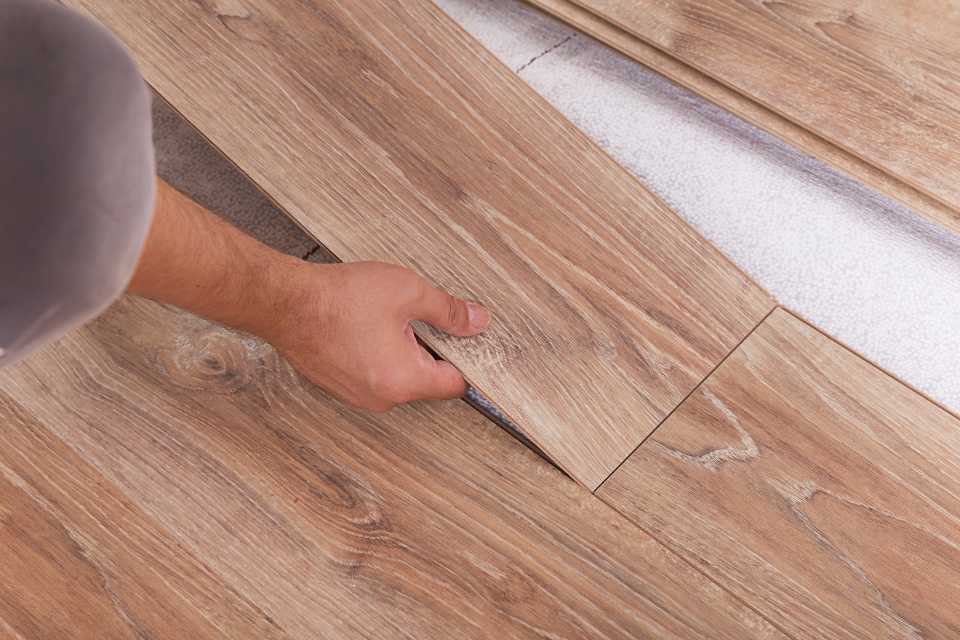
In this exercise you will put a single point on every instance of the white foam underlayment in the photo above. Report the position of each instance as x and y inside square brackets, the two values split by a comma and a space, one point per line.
[867, 271]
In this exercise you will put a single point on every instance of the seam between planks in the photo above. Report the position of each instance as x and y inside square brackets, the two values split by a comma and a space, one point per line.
[686, 397]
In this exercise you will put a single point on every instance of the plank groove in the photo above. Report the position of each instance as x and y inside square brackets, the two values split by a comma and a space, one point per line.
[812, 485]
[389, 134]
[751, 111]
[876, 79]
[425, 522]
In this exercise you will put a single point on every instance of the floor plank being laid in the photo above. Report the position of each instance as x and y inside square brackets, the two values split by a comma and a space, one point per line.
[751, 111]
[427, 522]
[818, 489]
[878, 79]
[390, 134]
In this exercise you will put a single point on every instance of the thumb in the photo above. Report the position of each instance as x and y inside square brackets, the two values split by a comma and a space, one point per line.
[450, 314]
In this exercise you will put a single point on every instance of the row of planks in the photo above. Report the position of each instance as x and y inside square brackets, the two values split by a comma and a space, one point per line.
[870, 88]
[164, 477]
[743, 476]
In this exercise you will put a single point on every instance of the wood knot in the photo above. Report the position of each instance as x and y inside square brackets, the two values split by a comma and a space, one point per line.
[213, 359]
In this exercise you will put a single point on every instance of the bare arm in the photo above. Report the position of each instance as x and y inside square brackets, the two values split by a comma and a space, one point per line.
[345, 327]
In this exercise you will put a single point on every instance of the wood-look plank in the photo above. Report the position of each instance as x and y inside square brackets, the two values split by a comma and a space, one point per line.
[80, 560]
[426, 522]
[878, 79]
[751, 111]
[820, 490]
[390, 134]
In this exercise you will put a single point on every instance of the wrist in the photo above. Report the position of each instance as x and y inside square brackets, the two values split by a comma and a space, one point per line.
[268, 293]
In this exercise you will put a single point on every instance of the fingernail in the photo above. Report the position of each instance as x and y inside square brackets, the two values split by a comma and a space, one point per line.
[479, 317]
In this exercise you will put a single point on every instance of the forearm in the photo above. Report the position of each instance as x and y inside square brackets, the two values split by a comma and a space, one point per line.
[194, 260]
[346, 327]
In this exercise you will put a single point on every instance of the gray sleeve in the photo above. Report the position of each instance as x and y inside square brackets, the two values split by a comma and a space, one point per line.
[77, 182]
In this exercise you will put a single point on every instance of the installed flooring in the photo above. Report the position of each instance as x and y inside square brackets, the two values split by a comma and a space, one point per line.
[811, 484]
[392, 135]
[750, 110]
[162, 477]
[877, 79]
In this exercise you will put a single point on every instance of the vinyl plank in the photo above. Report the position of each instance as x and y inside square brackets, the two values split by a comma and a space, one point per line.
[80, 560]
[818, 489]
[877, 79]
[751, 111]
[390, 134]
[425, 522]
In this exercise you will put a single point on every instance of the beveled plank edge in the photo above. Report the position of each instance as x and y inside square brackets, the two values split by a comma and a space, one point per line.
[896, 378]
[846, 162]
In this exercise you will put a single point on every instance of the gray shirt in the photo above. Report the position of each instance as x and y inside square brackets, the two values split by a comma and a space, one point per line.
[76, 172]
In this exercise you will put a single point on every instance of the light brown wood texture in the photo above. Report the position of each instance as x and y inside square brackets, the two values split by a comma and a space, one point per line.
[817, 488]
[80, 560]
[390, 134]
[878, 79]
[751, 111]
[427, 522]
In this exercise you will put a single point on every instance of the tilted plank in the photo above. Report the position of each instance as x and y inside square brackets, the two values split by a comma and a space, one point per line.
[751, 111]
[390, 134]
[427, 522]
[823, 492]
[877, 79]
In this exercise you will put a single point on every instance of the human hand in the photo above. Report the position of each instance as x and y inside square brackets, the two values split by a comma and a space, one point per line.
[346, 327]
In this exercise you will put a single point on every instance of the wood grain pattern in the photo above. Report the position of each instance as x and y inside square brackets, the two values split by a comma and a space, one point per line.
[427, 522]
[751, 111]
[817, 488]
[80, 560]
[390, 134]
[878, 79]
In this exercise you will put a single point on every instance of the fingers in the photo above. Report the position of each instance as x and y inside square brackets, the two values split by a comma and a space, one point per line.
[450, 314]
[445, 382]
[413, 375]
[431, 379]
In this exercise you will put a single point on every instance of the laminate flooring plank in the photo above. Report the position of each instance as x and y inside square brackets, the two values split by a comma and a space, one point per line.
[80, 560]
[426, 522]
[751, 111]
[818, 489]
[390, 134]
[876, 78]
